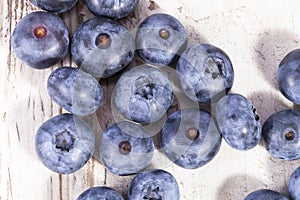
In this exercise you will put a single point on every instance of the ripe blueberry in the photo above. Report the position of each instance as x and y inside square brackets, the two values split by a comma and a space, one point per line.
[57, 6]
[100, 193]
[265, 194]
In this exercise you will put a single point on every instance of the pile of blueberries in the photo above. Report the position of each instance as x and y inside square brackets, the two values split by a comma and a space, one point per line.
[102, 47]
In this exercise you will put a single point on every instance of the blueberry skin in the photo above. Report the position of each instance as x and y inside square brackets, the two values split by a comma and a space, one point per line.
[102, 61]
[111, 8]
[75, 90]
[143, 94]
[57, 6]
[265, 194]
[206, 73]
[155, 185]
[100, 193]
[288, 76]
[186, 150]
[36, 50]
[238, 121]
[294, 185]
[160, 48]
[64, 143]
[281, 134]
[126, 160]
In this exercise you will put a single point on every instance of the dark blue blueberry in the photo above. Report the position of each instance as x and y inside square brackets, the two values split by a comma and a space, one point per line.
[143, 94]
[64, 143]
[102, 47]
[265, 194]
[190, 138]
[238, 121]
[206, 73]
[153, 185]
[288, 76]
[111, 8]
[75, 90]
[40, 40]
[57, 6]
[294, 185]
[160, 39]
[125, 148]
[281, 134]
[100, 193]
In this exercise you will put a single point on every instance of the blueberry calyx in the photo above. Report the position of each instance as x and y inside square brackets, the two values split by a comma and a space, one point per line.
[289, 135]
[153, 194]
[193, 133]
[103, 41]
[124, 147]
[164, 34]
[145, 91]
[64, 140]
[40, 32]
[215, 61]
[256, 117]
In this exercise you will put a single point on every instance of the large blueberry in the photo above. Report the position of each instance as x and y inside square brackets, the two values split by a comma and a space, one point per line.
[102, 47]
[190, 138]
[160, 39]
[111, 8]
[64, 143]
[288, 76]
[40, 40]
[57, 6]
[75, 90]
[281, 133]
[238, 121]
[143, 94]
[125, 148]
[294, 185]
[265, 194]
[153, 185]
[100, 193]
[206, 73]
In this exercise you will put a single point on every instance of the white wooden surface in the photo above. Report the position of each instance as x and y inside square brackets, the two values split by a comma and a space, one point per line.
[255, 34]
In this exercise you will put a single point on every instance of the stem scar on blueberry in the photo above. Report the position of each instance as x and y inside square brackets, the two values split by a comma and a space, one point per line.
[64, 140]
[153, 194]
[124, 147]
[164, 34]
[103, 41]
[192, 133]
[40, 32]
[289, 135]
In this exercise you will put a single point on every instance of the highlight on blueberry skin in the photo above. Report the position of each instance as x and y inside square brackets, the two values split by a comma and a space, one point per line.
[100, 192]
[238, 121]
[206, 73]
[190, 138]
[64, 143]
[102, 47]
[115, 9]
[288, 76]
[56, 6]
[265, 194]
[40, 40]
[74, 90]
[281, 134]
[156, 184]
[160, 39]
[294, 185]
[143, 94]
[125, 148]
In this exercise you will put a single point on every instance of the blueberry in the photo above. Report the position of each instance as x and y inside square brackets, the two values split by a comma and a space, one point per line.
[115, 9]
[102, 47]
[143, 94]
[40, 40]
[75, 90]
[206, 73]
[265, 194]
[294, 185]
[288, 76]
[125, 148]
[238, 121]
[64, 143]
[57, 6]
[190, 138]
[160, 39]
[281, 134]
[100, 193]
[153, 185]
